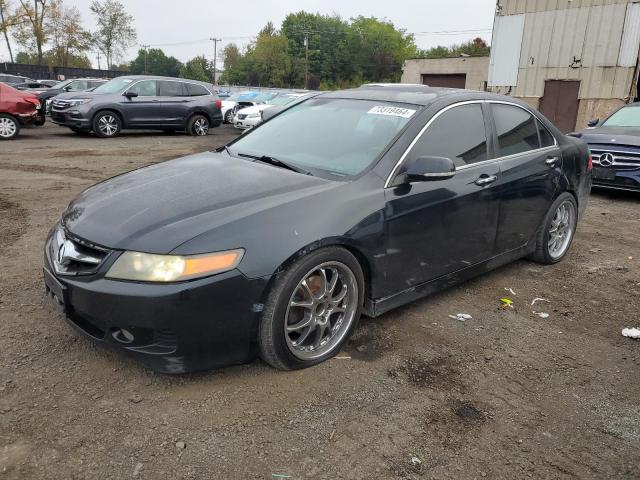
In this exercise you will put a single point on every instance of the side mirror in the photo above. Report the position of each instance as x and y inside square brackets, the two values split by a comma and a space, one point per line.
[424, 169]
[594, 122]
[67, 88]
[131, 95]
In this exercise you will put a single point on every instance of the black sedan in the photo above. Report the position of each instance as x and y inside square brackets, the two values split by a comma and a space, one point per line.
[348, 203]
[615, 147]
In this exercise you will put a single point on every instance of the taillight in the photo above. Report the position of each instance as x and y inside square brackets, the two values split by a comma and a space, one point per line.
[219, 104]
[590, 164]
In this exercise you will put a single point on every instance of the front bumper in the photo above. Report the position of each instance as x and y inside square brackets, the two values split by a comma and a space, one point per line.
[70, 118]
[617, 179]
[246, 123]
[26, 119]
[171, 328]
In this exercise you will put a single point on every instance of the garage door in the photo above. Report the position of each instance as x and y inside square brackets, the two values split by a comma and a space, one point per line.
[454, 80]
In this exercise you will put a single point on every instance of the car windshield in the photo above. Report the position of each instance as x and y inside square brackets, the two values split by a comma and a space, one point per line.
[114, 86]
[242, 96]
[359, 131]
[61, 85]
[625, 117]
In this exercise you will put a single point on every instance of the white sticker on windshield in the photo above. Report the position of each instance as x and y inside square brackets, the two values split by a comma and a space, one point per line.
[392, 111]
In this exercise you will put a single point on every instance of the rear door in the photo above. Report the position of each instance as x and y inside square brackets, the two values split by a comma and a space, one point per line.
[439, 227]
[174, 102]
[531, 166]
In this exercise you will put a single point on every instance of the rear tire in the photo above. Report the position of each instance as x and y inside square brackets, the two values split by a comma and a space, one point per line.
[198, 126]
[311, 310]
[555, 235]
[107, 124]
[9, 127]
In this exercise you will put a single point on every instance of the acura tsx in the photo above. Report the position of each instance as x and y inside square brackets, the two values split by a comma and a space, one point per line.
[347, 203]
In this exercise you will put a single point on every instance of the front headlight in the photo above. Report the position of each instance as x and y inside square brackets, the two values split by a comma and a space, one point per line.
[78, 101]
[147, 267]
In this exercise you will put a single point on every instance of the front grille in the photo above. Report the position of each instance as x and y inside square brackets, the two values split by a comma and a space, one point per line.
[73, 256]
[621, 158]
[60, 104]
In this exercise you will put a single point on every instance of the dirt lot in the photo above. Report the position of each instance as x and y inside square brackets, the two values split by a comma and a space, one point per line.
[415, 395]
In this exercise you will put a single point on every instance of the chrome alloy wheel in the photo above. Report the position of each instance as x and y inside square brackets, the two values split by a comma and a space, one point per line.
[7, 127]
[201, 127]
[108, 125]
[321, 310]
[561, 229]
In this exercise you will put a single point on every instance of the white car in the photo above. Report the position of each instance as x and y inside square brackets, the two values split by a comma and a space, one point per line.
[249, 117]
[241, 100]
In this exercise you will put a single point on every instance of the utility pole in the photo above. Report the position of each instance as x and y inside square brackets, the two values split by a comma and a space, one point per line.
[306, 60]
[215, 58]
[146, 54]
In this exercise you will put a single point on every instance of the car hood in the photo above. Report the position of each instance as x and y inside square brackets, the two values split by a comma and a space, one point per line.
[254, 109]
[611, 136]
[158, 208]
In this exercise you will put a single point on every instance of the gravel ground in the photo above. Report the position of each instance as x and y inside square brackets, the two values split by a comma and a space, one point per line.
[415, 394]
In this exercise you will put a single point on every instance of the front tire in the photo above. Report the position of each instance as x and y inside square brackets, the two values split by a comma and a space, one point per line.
[107, 124]
[555, 235]
[198, 126]
[9, 127]
[228, 117]
[312, 309]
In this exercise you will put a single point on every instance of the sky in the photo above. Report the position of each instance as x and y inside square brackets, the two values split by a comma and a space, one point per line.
[183, 28]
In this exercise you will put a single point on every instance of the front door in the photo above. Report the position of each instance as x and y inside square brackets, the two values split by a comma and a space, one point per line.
[560, 103]
[531, 165]
[145, 109]
[442, 226]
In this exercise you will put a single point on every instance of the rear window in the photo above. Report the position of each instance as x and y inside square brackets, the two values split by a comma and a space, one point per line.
[517, 129]
[195, 90]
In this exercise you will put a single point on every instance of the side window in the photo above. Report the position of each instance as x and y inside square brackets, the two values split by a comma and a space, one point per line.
[95, 84]
[169, 89]
[196, 90]
[517, 129]
[458, 134]
[78, 86]
[546, 139]
[145, 88]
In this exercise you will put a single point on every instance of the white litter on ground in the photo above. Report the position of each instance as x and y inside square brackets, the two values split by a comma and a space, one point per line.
[510, 290]
[541, 314]
[536, 300]
[463, 317]
[631, 333]
[415, 461]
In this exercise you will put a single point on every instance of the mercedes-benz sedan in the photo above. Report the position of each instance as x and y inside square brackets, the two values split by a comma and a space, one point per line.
[348, 203]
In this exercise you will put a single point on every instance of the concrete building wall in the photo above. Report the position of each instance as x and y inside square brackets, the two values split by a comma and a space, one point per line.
[475, 68]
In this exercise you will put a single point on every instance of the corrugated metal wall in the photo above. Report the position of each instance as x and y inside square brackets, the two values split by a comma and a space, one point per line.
[596, 42]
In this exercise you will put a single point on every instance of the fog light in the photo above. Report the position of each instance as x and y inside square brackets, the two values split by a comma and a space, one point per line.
[123, 336]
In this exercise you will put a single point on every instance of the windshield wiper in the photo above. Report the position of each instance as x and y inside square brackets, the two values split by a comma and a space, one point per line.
[275, 162]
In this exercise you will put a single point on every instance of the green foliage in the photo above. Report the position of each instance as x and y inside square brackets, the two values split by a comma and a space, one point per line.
[197, 68]
[340, 53]
[115, 28]
[51, 58]
[474, 48]
[154, 62]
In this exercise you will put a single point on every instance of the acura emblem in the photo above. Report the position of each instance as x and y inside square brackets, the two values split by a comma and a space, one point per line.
[606, 159]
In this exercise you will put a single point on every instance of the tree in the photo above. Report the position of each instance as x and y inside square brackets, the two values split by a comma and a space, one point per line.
[68, 38]
[232, 56]
[475, 48]
[155, 62]
[115, 31]
[197, 68]
[31, 33]
[272, 63]
[7, 21]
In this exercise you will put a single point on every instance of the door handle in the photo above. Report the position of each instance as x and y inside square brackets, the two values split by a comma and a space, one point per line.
[551, 161]
[486, 180]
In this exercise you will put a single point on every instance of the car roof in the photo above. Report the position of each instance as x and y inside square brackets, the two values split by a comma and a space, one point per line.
[159, 77]
[422, 95]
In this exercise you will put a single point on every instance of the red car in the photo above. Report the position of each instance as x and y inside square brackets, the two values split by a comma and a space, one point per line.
[16, 108]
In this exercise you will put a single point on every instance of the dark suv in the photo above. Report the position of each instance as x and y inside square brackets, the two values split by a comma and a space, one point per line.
[142, 102]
